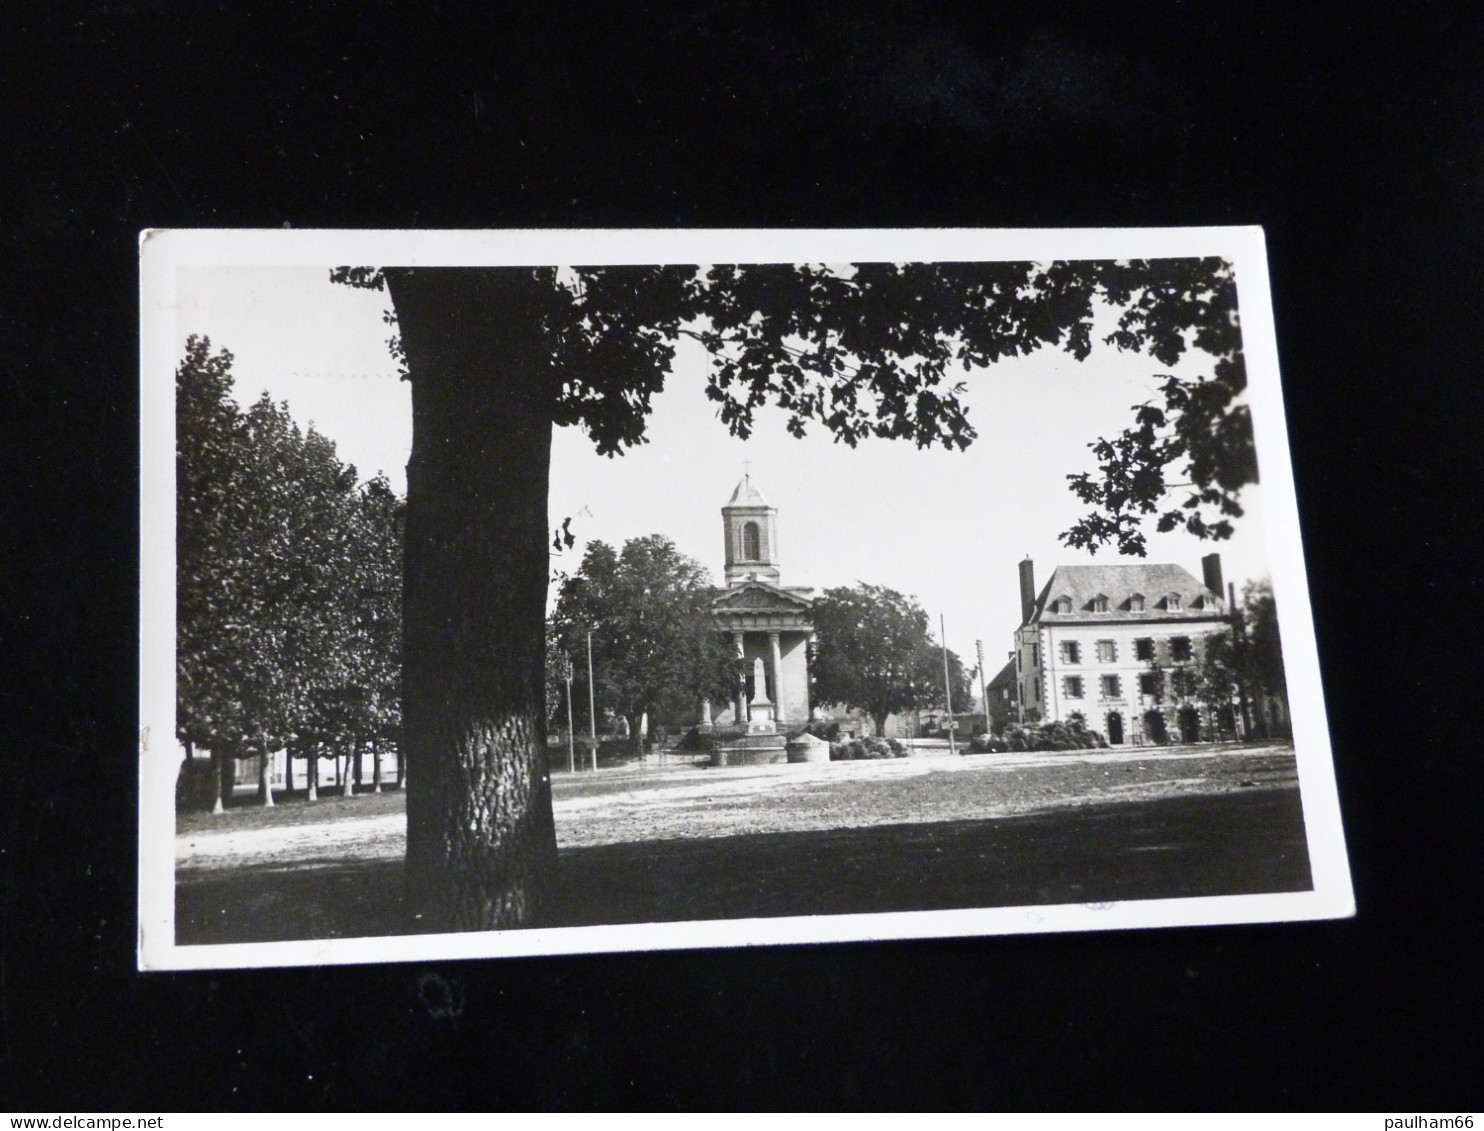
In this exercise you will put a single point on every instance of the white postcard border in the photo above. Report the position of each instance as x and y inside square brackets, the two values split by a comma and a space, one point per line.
[162, 252]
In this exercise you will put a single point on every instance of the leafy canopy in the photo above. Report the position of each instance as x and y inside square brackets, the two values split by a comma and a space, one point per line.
[882, 349]
[874, 650]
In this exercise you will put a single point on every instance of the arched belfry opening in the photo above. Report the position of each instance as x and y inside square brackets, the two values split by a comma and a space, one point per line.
[751, 542]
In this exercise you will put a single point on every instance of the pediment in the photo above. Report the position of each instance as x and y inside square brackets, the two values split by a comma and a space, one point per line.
[756, 596]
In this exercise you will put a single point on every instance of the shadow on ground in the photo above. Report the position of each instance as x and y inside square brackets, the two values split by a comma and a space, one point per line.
[1198, 845]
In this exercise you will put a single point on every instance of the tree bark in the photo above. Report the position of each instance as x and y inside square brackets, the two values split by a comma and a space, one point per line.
[481, 841]
[219, 764]
[375, 766]
[265, 787]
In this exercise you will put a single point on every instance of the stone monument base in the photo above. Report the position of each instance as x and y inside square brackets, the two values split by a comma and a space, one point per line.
[805, 747]
[753, 750]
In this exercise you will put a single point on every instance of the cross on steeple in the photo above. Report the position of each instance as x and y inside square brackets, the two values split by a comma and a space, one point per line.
[747, 468]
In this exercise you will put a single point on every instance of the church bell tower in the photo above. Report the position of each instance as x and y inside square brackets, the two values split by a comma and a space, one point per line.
[750, 528]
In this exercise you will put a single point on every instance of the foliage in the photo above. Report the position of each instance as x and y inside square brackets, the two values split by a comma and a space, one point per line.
[655, 646]
[827, 729]
[878, 349]
[1070, 734]
[559, 669]
[874, 650]
[1200, 429]
[858, 749]
[289, 577]
[1263, 659]
[1251, 661]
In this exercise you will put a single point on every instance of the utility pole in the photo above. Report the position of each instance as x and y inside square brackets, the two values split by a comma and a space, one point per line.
[1239, 646]
[947, 686]
[592, 710]
[983, 697]
[571, 738]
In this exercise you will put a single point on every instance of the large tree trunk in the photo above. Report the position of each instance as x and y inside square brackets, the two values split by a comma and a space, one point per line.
[481, 842]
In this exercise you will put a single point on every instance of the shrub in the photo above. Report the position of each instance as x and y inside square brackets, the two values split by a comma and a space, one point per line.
[986, 744]
[1072, 734]
[827, 729]
[858, 749]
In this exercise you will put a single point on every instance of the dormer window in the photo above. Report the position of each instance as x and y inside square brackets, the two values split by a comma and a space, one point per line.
[1172, 602]
[1099, 604]
[1062, 605]
[1136, 603]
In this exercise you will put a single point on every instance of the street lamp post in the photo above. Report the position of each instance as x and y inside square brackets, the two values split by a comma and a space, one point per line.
[571, 738]
[983, 696]
[592, 710]
[947, 686]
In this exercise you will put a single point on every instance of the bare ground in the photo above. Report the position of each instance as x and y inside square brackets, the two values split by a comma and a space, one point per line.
[682, 842]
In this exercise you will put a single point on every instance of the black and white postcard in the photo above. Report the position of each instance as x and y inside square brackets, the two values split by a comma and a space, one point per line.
[544, 592]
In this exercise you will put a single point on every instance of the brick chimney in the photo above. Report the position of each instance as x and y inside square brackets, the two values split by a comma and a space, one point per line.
[1028, 589]
[1211, 570]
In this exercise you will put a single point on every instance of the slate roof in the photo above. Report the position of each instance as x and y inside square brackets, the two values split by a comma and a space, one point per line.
[1119, 583]
[747, 495]
[1005, 677]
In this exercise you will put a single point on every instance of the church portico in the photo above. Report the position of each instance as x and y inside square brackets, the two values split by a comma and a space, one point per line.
[779, 639]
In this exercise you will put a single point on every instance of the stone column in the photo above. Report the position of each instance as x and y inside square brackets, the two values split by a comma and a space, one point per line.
[705, 724]
[739, 715]
[808, 706]
[776, 655]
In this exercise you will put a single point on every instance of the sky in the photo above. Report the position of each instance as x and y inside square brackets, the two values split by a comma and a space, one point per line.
[948, 528]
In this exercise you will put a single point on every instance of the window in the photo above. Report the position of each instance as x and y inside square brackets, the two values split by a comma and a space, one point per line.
[1112, 688]
[1107, 651]
[1100, 604]
[1172, 602]
[1144, 649]
[1180, 648]
[1071, 652]
[1035, 655]
[1149, 683]
[751, 543]
[1072, 686]
[1062, 605]
[1136, 603]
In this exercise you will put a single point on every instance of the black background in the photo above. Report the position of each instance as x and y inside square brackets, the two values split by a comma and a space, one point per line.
[1354, 135]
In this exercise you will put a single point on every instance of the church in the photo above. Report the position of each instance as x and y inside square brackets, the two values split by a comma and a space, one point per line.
[770, 623]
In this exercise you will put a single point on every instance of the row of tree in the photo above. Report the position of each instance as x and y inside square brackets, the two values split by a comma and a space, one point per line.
[656, 651]
[289, 584]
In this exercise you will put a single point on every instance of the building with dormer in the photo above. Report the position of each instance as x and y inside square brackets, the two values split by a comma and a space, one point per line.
[767, 621]
[1120, 644]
